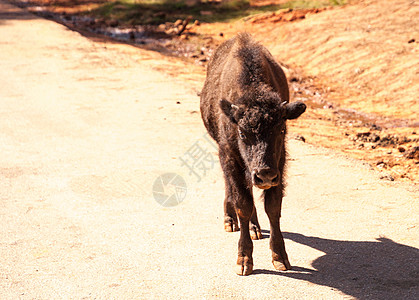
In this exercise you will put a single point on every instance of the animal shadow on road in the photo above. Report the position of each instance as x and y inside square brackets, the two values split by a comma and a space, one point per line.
[265, 233]
[381, 269]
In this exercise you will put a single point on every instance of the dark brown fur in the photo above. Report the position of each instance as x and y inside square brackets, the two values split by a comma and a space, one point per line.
[244, 106]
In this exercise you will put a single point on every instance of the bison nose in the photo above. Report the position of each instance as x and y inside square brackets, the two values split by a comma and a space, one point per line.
[265, 178]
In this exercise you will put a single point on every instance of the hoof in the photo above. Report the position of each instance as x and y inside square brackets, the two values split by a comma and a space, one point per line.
[255, 233]
[282, 266]
[230, 225]
[244, 269]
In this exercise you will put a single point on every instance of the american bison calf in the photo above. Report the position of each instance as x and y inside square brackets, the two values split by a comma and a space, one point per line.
[245, 106]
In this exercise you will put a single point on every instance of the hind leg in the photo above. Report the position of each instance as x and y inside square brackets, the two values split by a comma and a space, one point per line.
[230, 216]
[255, 232]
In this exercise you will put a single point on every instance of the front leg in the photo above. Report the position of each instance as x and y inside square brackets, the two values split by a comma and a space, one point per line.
[273, 203]
[244, 208]
[238, 197]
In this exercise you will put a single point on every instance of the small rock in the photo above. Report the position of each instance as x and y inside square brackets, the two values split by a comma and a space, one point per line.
[368, 137]
[411, 41]
[386, 177]
[178, 22]
[380, 164]
[177, 102]
[197, 23]
[376, 127]
[300, 138]
[374, 138]
[401, 149]
[406, 140]
[389, 140]
[362, 134]
[221, 34]
[170, 31]
[413, 153]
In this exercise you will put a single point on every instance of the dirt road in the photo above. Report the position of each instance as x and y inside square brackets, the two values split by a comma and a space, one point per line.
[85, 130]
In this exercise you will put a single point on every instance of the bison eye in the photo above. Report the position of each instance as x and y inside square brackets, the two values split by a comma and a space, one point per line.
[241, 135]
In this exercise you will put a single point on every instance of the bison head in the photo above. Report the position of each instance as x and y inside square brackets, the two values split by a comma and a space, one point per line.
[260, 132]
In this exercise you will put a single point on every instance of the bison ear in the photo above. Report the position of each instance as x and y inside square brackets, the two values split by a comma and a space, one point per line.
[230, 110]
[294, 110]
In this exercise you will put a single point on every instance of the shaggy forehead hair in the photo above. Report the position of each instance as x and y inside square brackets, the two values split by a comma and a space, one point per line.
[261, 116]
[262, 104]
